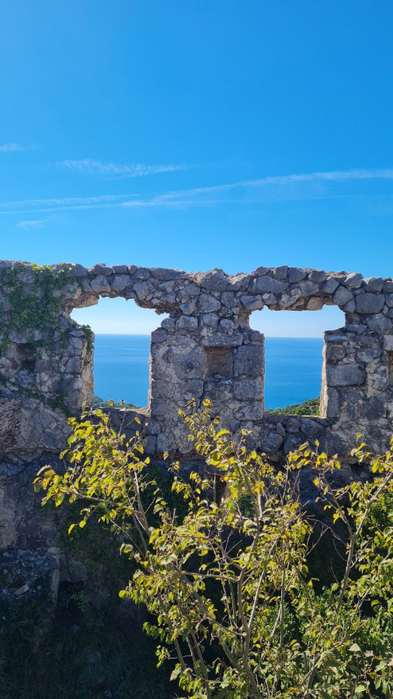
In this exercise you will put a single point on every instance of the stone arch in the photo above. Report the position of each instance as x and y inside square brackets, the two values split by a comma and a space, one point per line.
[208, 323]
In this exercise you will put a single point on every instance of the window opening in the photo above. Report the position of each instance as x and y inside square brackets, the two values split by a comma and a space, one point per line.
[121, 350]
[294, 347]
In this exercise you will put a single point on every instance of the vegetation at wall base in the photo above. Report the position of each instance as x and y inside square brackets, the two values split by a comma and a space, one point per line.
[228, 585]
[122, 404]
[309, 407]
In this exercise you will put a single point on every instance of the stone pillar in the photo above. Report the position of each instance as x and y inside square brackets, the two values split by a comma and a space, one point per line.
[185, 363]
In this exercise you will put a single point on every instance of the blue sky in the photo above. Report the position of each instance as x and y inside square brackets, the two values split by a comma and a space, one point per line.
[196, 135]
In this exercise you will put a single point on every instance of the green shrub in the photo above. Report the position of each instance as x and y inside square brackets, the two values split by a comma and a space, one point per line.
[228, 584]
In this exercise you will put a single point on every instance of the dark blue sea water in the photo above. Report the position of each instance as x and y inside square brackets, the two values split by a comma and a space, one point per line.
[293, 369]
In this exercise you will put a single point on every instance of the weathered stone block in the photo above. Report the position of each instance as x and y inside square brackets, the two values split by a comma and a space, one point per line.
[100, 284]
[249, 361]
[121, 281]
[369, 303]
[248, 389]
[190, 365]
[375, 284]
[308, 287]
[388, 343]
[187, 323]
[342, 295]
[264, 284]
[216, 280]
[208, 303]
[345, 375]
[252, 303]
[101, 269]
[271, 443]
[375, 408]
[159, 335]
[166, 274]
[143, 290]
[295, 274]
[331, 403]
[330, 286]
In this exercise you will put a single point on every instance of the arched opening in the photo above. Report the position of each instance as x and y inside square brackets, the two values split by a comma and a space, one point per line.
[121, 349]
[294, 346]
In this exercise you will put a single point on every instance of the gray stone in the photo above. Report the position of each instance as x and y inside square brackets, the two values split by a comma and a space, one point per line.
[168, 324]
[311, 428]
[150, 445]
[215, 280]
[252, 303]
[78, 271]
[389, 300]
[100, 269]
[163, 444]
[379, 323]
[369, 303]
[349, 307]
[292, 424]
[190, 365]
[187, 308]
[143, 290]
[295, 274]
[120, 282]
[388, 343]
[100, 284]
[249, 361]
[248, 389]
[342, 296]
[208, 303]
[166, 274]
[205, 349]
[330, 286]
[281, 272]
[159, 335]
[332, 403]
[209, 320]
[187, 323]
[307, 287]
[291, 298]
[375, 408]
[139, 273]
[317, 276]
[353, 280]
[264, 284]
[191, 289]
[271, 443]
[193, 389]
[345, 375]
[229, 300]
[227, 324]
[374, 284]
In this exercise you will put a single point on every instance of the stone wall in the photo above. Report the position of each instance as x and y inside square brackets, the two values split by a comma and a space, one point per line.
[204, 349]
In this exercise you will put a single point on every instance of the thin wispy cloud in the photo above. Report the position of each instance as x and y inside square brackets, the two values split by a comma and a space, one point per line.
[97, 167]
[285, 180]
[269, 188]
[15, 148]
[29, 224]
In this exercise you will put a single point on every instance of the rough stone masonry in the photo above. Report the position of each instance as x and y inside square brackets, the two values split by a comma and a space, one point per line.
[204, 349]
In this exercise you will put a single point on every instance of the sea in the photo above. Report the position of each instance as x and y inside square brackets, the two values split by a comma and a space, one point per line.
[293, 369]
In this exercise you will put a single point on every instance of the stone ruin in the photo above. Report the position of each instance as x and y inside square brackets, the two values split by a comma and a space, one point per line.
[204, 349]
